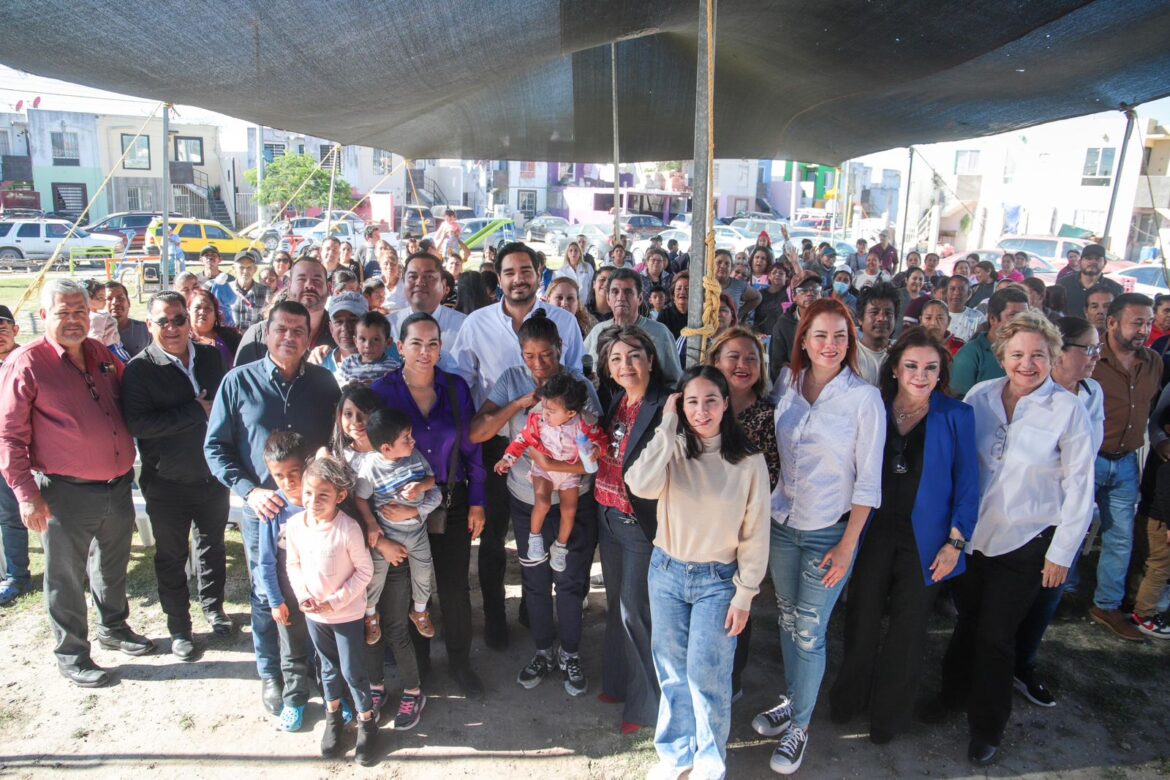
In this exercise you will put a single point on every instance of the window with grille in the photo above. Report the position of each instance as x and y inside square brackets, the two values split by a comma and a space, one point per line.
[1098, 170]
[66, 148]
[383, 162]
[139, 199]
[272, 151]
[967, 162]
[526, 202]
[328, 159]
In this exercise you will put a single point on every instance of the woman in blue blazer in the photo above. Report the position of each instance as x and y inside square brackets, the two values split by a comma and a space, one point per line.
[930, 500]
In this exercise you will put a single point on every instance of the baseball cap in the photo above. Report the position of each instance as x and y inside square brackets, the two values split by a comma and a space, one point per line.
[350, 301]
[1093, 250]
[6, 315]
[806, 277]
[208, 250]
[829, 252]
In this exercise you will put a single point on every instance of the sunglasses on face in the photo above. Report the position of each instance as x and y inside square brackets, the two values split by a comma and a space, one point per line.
[178, 321]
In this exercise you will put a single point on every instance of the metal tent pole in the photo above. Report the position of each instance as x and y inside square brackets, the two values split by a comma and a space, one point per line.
[164, 231]
[259, 170]
[617, 207]
[700, 210]
[906, 210]
[332, 178]
[1130, 116]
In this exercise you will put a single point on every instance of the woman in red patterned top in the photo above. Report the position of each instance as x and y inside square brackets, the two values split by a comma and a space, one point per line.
[627, 363]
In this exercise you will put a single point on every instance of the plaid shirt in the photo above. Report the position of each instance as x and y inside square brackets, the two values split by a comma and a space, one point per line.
[247, 306]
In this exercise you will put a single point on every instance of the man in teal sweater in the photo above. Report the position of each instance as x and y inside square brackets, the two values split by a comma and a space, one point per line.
[975, 362]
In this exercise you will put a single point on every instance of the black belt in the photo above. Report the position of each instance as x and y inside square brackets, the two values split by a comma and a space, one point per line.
[1114, 456]
[77, 481]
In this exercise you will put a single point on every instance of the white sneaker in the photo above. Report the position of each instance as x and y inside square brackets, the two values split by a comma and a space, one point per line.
[536, 554]
[789, 753]
[774, 722]
[557, 556]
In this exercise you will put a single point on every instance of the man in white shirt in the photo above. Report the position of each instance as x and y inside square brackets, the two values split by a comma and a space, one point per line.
[624, 294]
[965, 321]
[878, 307]
[423, 286]
[485, 347]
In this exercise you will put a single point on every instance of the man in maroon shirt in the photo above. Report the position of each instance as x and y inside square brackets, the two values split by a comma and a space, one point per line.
[67, 454]
[886, 252]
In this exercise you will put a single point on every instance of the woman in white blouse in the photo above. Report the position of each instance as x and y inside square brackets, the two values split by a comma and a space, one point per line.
[1036, 459]
[1073, 370]
[831, 429]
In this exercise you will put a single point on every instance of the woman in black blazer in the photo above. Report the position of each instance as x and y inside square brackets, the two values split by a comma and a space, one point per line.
[627, 524]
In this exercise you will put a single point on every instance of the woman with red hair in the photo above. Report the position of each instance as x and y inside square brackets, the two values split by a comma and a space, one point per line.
[830, 430]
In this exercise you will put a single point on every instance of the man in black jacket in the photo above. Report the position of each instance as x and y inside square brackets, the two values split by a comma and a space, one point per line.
[167, 391]
[805, 292]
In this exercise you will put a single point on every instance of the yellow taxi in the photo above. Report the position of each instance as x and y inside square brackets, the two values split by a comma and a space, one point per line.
[194, 234]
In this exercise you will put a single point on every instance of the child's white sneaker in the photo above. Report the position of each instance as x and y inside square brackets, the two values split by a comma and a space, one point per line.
[536, 553]
[557, 556]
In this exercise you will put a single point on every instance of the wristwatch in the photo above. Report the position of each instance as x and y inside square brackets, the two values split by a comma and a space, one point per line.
[958, 544]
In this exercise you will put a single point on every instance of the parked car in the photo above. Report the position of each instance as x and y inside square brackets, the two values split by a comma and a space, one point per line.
[1148, 279]
[461, 212]
[504, 232]
[552, 230]
[67, 216]
[133, 222]
[342, 230]
[414, 220]
[1042, 268]
[1052, 248]
[683, 237]
[267, 233]
[755, 225]
[194, 234]
[36, 240]
[642, 225]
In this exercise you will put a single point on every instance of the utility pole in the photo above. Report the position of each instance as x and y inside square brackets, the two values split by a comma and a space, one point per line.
[332, 179]
[259, 170]
[165, 231]
[1130, 116]
[700, 212]
[617, 207]
[906, 210]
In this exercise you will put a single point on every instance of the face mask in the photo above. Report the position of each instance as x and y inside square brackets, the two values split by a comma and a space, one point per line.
[840, 288]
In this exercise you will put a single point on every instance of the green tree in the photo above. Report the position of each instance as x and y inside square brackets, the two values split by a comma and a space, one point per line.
[285, 175]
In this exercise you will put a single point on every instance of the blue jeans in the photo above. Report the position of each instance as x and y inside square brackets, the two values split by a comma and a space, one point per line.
[15, 537]
[806, 604]
[265, 637]
[571, 584]
[693, 656]
[1117, 497]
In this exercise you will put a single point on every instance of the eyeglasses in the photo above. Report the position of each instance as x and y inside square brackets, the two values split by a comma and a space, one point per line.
[1091, 350]
[615, 446]
[178, 321]
[1000, 445]
[91, 385]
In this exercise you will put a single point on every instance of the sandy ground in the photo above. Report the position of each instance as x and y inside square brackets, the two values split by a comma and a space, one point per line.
[205, 719]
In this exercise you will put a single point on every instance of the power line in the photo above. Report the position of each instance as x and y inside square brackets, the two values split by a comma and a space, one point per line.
[38, 92]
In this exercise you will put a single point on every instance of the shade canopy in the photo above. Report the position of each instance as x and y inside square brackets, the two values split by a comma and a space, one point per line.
[530, 79]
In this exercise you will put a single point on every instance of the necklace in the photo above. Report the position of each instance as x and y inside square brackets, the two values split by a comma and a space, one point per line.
[901, 415]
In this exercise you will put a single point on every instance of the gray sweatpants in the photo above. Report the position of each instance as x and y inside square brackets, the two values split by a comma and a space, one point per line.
[418, 547]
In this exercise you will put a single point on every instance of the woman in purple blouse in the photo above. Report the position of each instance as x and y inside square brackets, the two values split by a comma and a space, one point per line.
[440, 408]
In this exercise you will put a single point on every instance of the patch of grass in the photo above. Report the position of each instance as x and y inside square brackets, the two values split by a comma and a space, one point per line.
[80, 733]
[89, 702]
[1114, 773]
[186, 722]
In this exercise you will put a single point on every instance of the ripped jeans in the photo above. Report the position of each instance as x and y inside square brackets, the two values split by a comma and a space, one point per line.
[805, 608]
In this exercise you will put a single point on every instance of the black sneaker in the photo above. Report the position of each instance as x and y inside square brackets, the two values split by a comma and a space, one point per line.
[575, 682]
[409, 711]
[789, 753]
[1033, 690]
[533, 674]
[774, 722]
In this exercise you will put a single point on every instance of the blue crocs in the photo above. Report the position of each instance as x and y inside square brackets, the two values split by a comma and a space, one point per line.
[292, 718]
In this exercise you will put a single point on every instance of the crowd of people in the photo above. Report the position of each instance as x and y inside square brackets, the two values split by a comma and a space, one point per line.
[899, 439]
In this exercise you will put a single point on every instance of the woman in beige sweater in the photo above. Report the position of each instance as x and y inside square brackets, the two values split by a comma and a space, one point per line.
[710, 553]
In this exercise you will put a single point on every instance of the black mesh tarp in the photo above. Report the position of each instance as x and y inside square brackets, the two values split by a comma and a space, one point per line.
[530, 79]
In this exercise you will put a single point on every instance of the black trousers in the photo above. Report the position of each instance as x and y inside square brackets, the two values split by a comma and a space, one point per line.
[992, 599]
[493, 561]
[881, 673]
[174, 508]
[451, 554]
